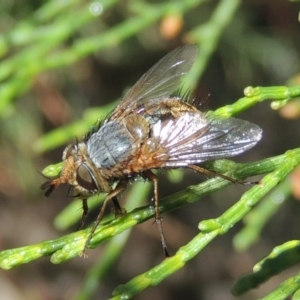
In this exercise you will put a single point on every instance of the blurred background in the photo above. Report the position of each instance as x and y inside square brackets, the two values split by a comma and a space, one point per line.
[62, 60]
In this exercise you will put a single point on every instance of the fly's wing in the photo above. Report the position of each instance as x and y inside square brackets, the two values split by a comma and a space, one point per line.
[191, 139]
[160, 81]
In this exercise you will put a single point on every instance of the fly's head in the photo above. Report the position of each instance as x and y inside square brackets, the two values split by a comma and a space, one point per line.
[78, 172]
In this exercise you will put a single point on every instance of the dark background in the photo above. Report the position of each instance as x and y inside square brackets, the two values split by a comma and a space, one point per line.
[258, 48]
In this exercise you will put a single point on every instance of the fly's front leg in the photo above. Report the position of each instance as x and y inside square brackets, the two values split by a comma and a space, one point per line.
[85, 209]
[120, 187]
[118, 210]
[158, 219]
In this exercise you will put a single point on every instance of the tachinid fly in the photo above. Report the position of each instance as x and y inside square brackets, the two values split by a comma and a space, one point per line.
[150, 129]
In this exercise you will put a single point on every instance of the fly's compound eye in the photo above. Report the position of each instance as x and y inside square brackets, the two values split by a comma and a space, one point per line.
[85, 178]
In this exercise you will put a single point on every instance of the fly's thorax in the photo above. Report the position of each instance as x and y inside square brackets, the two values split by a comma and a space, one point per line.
[115, 143]
[80, 172]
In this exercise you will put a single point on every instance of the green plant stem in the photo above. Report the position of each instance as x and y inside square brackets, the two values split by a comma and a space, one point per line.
[164, 269]
[71, 245]
[285, 289]
[114, 247]
[281, 258]
[255, 95]
[261, 214]
[210, 229]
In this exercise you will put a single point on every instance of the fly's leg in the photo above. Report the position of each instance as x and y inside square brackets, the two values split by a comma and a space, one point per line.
[120, 187]
[85, 209]
[213, 174]
[158, 219]
[118, 210]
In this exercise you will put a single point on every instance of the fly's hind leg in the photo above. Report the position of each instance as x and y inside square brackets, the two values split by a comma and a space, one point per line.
[158, 219]
[214, 174]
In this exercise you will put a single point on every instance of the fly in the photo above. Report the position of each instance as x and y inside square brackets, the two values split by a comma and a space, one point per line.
[150, 129]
